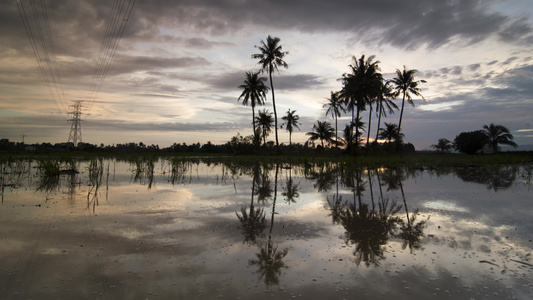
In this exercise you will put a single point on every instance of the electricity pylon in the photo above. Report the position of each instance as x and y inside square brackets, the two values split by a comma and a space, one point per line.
[75, 122]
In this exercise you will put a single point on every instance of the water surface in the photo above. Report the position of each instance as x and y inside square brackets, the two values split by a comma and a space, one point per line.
[201, 229]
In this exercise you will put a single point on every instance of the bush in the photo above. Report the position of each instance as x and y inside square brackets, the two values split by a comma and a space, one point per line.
[471, 142]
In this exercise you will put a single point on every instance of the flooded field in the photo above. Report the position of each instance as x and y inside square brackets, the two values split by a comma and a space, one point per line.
[201, 229]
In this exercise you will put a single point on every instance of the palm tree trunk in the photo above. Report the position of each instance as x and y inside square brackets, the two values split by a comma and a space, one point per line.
[401, 113]
[405, 205]
[253, 125]
[357, 127]
[368, 129]
[379, 119]
[274, 106]
[290, 138]
[336, 137]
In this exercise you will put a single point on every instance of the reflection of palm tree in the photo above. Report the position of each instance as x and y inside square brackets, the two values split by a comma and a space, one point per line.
[264, 187]
[366, 228]
[494, 177]
[412, 232]
[253, 221]
[291, 191]
[269, 259]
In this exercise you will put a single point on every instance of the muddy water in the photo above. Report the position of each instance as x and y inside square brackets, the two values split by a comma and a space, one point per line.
[195, 229]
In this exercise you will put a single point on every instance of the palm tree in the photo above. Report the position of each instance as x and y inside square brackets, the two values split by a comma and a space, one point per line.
[291, 120]
[384, 103]
[270, 58]
[264, 121]
[390, 132]
[443, 145]
[361, 85]
[498, 134]
[406, 84]
[335, 108]
[322, 131]
[254, 91]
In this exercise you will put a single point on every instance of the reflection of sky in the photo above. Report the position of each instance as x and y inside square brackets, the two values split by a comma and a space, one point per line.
[183, 240]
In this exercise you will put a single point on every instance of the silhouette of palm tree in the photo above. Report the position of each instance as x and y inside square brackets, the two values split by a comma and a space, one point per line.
[264, 121]
[269, 260]
[291, 121]
[405, 84]
[322, 131]
[384, 104]
[254, 91]
[442, 145]
[270, 58]
[334, 107]
[361, 85]
[498, 134]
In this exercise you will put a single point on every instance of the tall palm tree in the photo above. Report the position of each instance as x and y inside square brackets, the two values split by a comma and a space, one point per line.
[405, 84]
[334, 107]
[270, 58]
[384, 103]
[322, 131]
[361, 85]
[254, 91]
[498, 134]
[291, 120]
[264, 121]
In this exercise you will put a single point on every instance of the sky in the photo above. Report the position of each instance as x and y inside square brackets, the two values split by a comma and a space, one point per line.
[174, 75]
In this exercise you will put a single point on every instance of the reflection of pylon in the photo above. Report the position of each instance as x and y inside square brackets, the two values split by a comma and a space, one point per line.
[75, 122]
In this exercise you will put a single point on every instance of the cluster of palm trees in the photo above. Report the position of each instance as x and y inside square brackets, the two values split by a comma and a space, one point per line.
[254, 89]
[363, 88]
[492, 136]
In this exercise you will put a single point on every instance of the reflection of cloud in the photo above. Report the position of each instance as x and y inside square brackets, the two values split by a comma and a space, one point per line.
[444, 205]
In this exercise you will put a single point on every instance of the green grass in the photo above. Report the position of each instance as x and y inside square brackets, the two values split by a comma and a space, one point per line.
[415, 160]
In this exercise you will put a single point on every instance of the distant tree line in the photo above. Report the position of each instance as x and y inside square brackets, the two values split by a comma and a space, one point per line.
[478, 141]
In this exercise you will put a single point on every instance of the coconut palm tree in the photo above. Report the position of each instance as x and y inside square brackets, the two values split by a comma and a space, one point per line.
[498, 134]
[270, 58]
[254, 91]
[443, 145]
[390, 133]
[361, 85]
[322, 131]
[334, 107]
[405, 84]
[264, 121]
[291, 120]
[384, 103]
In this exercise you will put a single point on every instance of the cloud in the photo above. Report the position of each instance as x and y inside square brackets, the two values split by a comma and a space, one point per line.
[405, 24]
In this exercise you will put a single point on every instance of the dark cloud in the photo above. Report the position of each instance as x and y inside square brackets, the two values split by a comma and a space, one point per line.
[473, 67]
[298, 82]
[406, 24]
[162, 127]
[520, 30]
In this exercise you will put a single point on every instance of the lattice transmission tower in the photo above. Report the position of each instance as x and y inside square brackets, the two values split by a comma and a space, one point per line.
[75, 122]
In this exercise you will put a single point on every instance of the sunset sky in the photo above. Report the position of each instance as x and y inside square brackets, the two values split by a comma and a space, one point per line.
[175, 74]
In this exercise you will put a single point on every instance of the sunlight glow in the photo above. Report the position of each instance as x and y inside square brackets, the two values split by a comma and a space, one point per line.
[440, 106]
